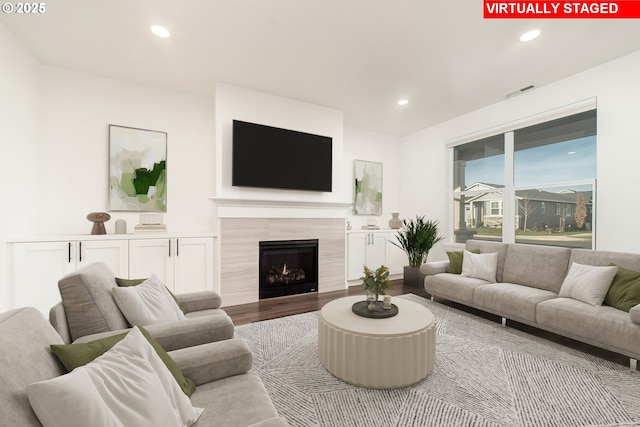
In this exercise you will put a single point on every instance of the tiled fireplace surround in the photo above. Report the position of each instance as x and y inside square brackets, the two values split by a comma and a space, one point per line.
[244, 223]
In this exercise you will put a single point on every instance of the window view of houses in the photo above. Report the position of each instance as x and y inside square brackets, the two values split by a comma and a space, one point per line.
[548, 195]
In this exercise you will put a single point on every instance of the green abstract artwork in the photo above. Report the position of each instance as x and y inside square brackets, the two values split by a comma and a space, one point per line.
[137, 169]
[368, 189]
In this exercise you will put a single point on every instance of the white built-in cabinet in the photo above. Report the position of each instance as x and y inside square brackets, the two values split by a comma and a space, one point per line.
[183, 263]
[373, 248]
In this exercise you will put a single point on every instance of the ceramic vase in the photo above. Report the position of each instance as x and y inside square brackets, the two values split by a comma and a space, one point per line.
[395, 222]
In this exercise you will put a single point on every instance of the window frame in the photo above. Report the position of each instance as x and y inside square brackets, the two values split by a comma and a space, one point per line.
[510, 207]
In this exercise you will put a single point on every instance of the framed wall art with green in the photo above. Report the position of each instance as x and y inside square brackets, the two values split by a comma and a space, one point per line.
[368, 190]
[137, 169]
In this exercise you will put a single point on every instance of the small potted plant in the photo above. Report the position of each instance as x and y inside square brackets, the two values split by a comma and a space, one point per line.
[416, 238]
[375, 283]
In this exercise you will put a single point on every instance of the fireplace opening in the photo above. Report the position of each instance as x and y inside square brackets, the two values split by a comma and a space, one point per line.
[288, 267]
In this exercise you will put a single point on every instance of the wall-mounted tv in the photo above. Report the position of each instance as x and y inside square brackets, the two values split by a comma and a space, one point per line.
[270, 157]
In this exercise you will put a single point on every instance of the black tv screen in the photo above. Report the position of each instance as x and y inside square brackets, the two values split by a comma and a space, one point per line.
[270, 157]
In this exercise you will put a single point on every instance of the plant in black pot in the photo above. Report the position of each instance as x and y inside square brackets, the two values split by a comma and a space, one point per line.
[416, 238]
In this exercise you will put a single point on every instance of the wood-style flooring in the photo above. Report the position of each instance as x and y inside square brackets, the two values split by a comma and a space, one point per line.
[273, 308]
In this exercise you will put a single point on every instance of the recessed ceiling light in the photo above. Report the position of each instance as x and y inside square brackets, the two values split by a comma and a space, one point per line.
[529, 35]
[571, 152]
[160, 31]
[403, 102]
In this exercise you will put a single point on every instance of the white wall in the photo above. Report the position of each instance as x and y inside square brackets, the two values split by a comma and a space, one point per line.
[615, 84]
[374, 147]
[54, 139]
[19, 132]
[238, 103]
[74, 150]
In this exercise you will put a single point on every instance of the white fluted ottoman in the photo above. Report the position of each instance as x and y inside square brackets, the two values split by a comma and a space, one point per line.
[377, 353]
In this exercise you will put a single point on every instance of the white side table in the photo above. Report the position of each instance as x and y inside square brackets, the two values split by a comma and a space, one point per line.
[377, 353]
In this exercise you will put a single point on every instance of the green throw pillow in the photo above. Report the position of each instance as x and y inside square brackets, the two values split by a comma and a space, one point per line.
[74, 355]
[455, 261]
[624, 292]
[125, 283]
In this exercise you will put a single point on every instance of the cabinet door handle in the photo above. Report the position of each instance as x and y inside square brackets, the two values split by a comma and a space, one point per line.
[169, 248]
[80, 251]
[69, 252]
[177, 247]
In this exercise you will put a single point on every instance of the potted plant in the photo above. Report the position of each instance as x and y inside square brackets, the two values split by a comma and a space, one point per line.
[416, 238]
[375, 282]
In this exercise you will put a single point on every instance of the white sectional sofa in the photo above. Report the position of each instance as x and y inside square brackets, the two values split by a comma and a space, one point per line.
[527, 289]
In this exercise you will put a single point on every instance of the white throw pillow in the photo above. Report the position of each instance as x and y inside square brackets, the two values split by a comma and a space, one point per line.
[147, 303]
[129, 385]
[480, 266]
[588, 283]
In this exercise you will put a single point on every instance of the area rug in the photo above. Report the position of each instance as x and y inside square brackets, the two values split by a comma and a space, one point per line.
[485, 375]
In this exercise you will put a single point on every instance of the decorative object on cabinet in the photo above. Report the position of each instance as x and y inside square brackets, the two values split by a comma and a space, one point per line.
[395, 222]
[98, 219]
[368, 187]
[137, 169]
[416, 238]
[121, 226]
[349, 225]
[150, 223]
[371, 225]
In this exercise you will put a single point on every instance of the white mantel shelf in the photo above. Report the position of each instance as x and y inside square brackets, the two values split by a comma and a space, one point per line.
[260, 208]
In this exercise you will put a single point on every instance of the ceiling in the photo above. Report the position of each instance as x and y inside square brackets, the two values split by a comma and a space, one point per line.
[358, 56]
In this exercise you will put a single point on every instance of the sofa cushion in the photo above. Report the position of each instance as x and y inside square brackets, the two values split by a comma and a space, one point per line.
[591, 257]
[484, 247]
[25, 336]
[453, 286]
[480, 266]
[602, 326]
[127, 385]
[75, 355]
[624, 292]
[588, 283]
[125, 283]
[511, 300]
[88, 303]
[147, 303]
[634, 314]
[543, 267]
[240, 400]
[455, 261]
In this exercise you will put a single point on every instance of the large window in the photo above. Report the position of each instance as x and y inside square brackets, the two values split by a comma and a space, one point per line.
[533, 185]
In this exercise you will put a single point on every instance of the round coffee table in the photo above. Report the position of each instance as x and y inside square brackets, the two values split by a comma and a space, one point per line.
[377, 353]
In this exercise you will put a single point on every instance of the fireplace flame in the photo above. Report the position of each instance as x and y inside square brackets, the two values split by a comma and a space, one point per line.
[284, 269]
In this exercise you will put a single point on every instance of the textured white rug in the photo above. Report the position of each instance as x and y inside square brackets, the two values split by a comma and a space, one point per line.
[485, 375]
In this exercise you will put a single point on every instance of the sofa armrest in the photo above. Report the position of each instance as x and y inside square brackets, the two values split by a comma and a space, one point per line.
[197, 301]
[58, 319]
[634, 313]
[210, 362]
[434, 267]
[192, 332]
[182, 333]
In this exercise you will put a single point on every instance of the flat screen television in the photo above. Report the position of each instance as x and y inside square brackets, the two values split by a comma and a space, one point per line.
[270, 157]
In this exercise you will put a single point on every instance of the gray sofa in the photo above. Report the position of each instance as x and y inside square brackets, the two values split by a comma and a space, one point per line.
[529, 278]
[88, 311]
[229, 394]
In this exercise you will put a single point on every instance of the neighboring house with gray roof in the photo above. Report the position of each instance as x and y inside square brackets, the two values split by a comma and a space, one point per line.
[539, 209]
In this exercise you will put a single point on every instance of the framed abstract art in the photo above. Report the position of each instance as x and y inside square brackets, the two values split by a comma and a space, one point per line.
[368, 187]
[137, 169]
